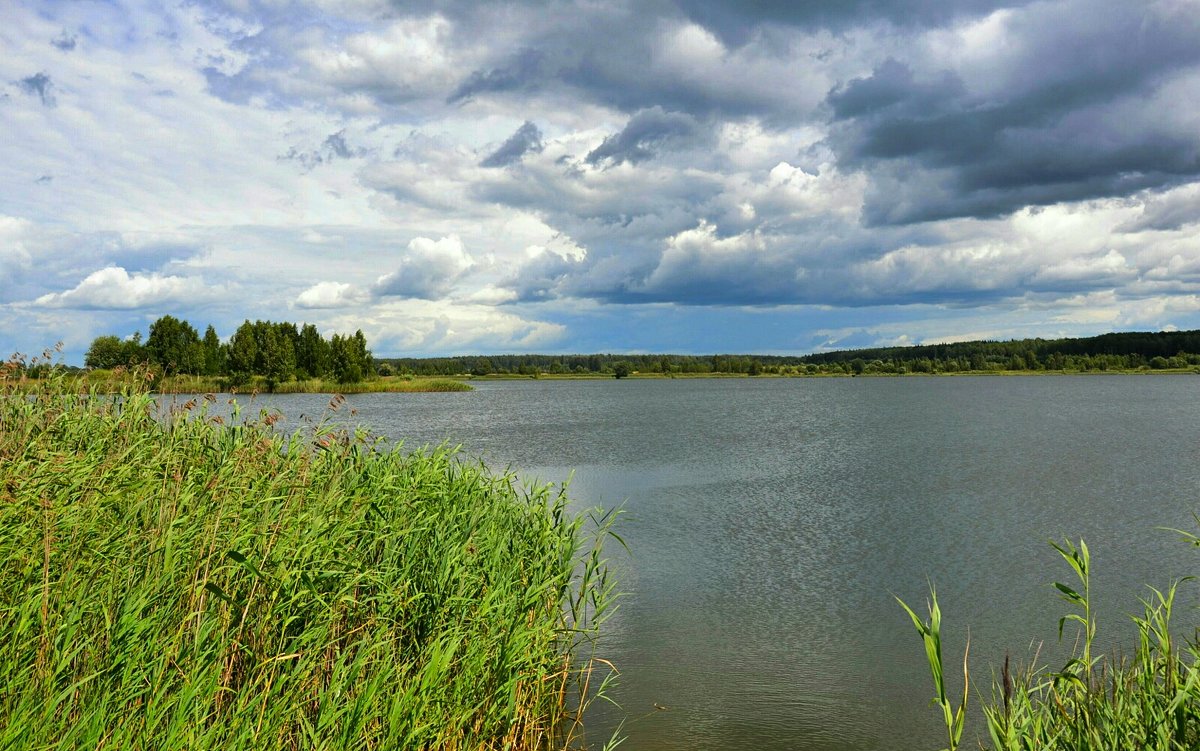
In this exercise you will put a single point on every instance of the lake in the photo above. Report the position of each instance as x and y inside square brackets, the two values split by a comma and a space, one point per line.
[771, 521]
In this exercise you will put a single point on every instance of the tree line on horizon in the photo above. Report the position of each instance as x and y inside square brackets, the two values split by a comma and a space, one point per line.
[1116, 351]
[277, 351]
[283, 351]
[1131, 350]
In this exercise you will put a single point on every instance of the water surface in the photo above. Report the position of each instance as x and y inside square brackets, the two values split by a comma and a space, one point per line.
[771, 521]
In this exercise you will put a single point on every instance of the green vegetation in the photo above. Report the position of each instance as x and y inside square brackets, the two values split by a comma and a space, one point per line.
[178, 581]
[277, 353]
[111, 381]
[375, 385]
[1159, 350]
[274, 352]
[605, 365]
[1149, 700]
[1123, 352]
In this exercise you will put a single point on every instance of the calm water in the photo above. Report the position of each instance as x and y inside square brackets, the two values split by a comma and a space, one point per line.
[771, 521]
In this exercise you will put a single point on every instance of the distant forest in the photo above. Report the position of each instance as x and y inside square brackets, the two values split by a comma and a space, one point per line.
[1164, 350]
[282, 352]
[278, 352]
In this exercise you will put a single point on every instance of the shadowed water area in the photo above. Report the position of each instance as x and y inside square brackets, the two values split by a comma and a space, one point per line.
[770, 522]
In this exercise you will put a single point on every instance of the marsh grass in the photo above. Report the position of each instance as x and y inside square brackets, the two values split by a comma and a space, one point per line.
[391, 384]
[187, 582]
[1148, 700]
[116, 381]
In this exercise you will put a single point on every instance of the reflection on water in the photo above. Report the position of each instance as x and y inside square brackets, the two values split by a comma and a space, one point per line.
[771, 521]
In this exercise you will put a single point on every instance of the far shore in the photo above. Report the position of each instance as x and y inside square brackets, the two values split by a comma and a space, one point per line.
[668, 376]
[413, 384]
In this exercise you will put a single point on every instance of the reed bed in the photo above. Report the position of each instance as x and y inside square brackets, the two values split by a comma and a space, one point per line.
[108, 381]
[378, 385]
[172, 582]
[1148, 700]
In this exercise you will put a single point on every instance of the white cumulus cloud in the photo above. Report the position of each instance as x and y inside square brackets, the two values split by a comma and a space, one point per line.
[330, 295]
[114, 288]
[428, 270]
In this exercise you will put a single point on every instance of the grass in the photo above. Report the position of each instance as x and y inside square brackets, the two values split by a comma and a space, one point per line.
[114, 381]
[1149, 700]
[390, 384]
[172, 582]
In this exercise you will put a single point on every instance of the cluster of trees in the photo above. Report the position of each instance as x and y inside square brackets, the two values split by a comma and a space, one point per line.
[1118, 351]
[277, 351]
[584, 364]
[1123, 351]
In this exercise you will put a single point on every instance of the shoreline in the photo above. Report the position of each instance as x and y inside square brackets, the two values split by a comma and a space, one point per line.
[760, 376]
[205, 385]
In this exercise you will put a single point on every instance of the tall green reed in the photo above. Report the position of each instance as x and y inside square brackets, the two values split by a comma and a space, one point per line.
[190, 582]
[1149, 699]
[953, 717]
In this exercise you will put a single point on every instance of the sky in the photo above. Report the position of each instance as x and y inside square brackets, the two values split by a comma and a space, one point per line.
[689, 176]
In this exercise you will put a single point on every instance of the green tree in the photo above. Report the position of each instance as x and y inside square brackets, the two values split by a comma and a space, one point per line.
[361, 355]
[262, 332]
[243, 353]
[344, 360]
[175, 346]
[312, 352]
[214, 355]
[276, 357]
[482, 367]
[106, 352]
[135, 351]
[622, 369]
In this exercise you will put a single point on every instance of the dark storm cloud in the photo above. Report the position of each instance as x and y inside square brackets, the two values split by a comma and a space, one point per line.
[541, 277]
[618, 54]
[40, 85]
[526, 139]
[521, 72]
[1167, 213]
[1076, 121]
[735, 20]
[606, 205]
[567, 51]
[648, 132]
[893, 85]
[937, 110]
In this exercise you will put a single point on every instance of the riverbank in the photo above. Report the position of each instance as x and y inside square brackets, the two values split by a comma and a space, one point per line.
[669, 376]
[194, 584]
[110, 382]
